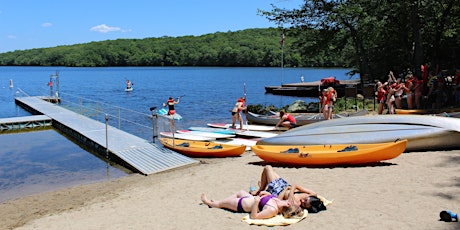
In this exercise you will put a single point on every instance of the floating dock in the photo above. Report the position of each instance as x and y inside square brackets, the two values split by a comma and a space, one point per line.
[24, 123]
[136, 153]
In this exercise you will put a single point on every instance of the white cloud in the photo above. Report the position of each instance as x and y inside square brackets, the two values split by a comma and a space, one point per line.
[11, 37]
[47, 24]
[103, 28]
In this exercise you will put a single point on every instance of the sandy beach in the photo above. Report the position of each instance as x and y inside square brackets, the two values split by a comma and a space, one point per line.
[404, 193]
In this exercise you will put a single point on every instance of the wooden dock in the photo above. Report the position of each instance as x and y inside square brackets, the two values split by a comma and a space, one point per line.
[135, 153]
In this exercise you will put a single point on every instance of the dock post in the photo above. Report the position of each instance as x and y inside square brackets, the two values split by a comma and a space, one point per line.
[107, 136]
[154, 123]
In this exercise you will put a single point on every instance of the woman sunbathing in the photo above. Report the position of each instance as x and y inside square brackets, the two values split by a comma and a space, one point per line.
[272, 183]
[261, 207]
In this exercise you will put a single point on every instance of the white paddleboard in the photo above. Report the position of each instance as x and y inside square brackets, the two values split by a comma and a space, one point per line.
[206, 134]
[239, 141]
[212, 130]
[251, 133]
[186, 136]
[245, 127]
[129, 90]
[164, 113]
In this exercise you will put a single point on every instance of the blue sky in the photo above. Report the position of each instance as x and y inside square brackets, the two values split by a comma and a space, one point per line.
[28, 24]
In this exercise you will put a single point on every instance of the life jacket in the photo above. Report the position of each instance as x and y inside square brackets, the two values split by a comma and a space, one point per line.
[291, 119]
[329, 97]
[242, 104]
[408, 82]
[170, 104]
[381, 94]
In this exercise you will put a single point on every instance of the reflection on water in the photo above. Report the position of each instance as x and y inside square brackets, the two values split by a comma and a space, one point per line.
[45, 160]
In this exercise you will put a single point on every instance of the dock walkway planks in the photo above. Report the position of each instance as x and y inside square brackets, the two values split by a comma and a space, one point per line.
[138, 153]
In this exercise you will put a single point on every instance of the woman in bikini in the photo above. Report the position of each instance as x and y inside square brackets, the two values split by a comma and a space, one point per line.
[272, 183]
[261, 207]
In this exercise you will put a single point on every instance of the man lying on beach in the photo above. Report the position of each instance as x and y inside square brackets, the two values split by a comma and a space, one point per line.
[272, 183]
[264, 206]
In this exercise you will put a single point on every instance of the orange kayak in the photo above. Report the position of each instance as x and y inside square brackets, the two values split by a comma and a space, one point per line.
[340, 154]
[203, 148]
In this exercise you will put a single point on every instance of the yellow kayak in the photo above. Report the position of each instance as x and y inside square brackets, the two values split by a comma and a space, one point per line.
[346, 154]
[426, 111]
[203, 148]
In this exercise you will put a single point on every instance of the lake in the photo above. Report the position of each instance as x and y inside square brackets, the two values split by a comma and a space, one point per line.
[44, 160]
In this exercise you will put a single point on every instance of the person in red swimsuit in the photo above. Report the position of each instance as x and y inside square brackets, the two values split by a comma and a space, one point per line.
[331, 96]
[286, 120]
[381, 95]
[409, 90]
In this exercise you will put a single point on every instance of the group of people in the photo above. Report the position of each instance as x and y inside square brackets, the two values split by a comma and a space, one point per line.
[274, 196]
[391, 92]
[327, 99]
[430, 91]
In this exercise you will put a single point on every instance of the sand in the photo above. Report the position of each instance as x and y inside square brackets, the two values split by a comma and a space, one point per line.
[404, 193]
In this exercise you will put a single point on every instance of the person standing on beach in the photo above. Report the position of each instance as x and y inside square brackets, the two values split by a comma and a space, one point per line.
[236, 112]
[381, 96]
[328, 99]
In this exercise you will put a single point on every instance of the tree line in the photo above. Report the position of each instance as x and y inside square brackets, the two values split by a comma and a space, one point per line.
[372, 37]
[245, 48]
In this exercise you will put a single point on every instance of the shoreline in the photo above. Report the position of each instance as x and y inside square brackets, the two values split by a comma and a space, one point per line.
[407, 192]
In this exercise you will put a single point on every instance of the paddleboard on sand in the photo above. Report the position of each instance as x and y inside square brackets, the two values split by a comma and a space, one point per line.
[239, 141]
[251, 133]
[206, 134]
[212, 130]
[245, 127]
[184, 136]
[164, 113]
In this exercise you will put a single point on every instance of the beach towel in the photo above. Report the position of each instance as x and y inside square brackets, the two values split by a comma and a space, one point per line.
[279, 219]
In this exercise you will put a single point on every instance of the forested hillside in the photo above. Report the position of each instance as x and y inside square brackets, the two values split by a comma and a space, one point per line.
[251, 47]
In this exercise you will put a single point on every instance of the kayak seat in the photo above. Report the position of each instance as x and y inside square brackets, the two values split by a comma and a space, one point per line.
[349, 149]
[291, 150]
[185, 144]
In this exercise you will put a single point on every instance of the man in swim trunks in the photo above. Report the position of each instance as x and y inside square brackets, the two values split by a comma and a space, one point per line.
[274, 184]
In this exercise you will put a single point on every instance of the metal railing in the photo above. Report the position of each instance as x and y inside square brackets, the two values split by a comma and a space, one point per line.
[139, 124]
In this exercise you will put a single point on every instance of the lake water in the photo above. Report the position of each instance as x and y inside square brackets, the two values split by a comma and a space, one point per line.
[208, 94]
